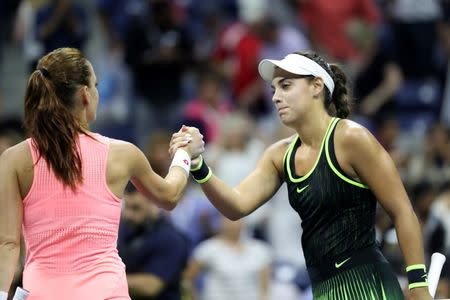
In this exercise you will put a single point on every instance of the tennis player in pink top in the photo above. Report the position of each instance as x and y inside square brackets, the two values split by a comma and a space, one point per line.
[63, 187]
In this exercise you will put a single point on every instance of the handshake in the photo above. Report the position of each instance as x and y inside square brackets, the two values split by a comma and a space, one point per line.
[189, 139]
[186, 147]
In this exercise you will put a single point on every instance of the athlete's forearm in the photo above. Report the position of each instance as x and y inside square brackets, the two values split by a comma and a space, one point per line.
[225, 198]
[410, 237]
[9, 260]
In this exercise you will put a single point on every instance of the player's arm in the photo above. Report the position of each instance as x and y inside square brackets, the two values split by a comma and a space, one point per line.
[11, 214]
[374, 167]
[256, 189]
[164, 191]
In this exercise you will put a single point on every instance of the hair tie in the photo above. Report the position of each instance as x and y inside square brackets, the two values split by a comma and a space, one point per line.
[44, 72]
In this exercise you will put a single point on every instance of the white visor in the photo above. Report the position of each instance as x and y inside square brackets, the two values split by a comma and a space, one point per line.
[295, 64]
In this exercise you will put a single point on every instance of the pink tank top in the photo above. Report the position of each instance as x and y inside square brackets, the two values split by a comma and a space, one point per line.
[71, 237]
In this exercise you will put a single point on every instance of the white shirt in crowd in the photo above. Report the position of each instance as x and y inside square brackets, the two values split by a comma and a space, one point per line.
[232, 273]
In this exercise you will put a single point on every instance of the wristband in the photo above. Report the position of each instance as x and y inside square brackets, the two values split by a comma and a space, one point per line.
[201, 173]
[417, 276]
[21, 294]
[3, 295]
[181, 159]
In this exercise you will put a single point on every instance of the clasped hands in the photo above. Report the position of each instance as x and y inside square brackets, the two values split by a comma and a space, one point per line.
[189, 139]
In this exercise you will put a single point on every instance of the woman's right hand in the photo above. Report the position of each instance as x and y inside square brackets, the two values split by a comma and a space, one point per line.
[189, 139]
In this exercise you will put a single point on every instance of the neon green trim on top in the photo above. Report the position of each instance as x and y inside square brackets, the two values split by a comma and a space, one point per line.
[288, 156]
[417, 285]
[291, 144]
[335, 170]
[416, 267]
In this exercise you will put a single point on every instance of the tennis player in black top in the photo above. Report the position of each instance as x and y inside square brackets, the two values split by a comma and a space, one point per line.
[335, 171]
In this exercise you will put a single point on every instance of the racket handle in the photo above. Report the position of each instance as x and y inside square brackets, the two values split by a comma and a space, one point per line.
[434, 273]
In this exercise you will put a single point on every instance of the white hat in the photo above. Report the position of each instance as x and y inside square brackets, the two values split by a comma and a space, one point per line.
[295, 64]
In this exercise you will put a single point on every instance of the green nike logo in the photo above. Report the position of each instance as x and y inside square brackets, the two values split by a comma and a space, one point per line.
[338, 265]
[302, 189]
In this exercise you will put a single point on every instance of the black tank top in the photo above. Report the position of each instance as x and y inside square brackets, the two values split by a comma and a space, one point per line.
[337, 212]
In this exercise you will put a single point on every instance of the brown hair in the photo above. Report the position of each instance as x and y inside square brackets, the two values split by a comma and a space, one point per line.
[49, 121]
[339, 104]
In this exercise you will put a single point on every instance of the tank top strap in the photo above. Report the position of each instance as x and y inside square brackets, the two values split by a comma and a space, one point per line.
[33, 150]
[332, 159]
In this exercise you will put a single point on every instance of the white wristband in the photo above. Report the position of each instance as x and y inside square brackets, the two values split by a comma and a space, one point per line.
[181, 159]
[20, 294]
[3, 295]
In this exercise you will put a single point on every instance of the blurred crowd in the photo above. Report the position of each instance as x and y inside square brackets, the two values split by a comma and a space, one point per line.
[164, 63]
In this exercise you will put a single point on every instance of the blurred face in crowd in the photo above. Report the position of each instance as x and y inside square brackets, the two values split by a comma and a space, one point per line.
[232, 229]
[210, 91]
[138, 209]
[236, 132]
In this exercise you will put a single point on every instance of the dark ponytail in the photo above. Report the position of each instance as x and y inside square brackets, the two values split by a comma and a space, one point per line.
[49, 121]
[338, 105]
[341, 99]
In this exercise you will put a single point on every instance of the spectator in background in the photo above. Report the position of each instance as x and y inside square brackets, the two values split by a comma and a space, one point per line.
[433, 231]
[7, 10]
[388, 134]
[377, 76]
[237, 54]
[443, 34]
[433, 162]
[157, 50]
[413, 26]
[206, 20]
[235, 267]
[114, 15]
[210, 106]
[152, 249]
[24, 32]
[62, 23]
[331, 37]
[195, 216]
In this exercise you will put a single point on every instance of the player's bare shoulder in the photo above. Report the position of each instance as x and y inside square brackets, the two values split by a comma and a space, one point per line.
[18, 155]
[18, 159]
[352, 137]
[122, 148]
[123, 151]
[277, 150]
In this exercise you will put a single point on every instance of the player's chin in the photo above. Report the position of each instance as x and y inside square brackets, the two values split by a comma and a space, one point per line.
[284, 118]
